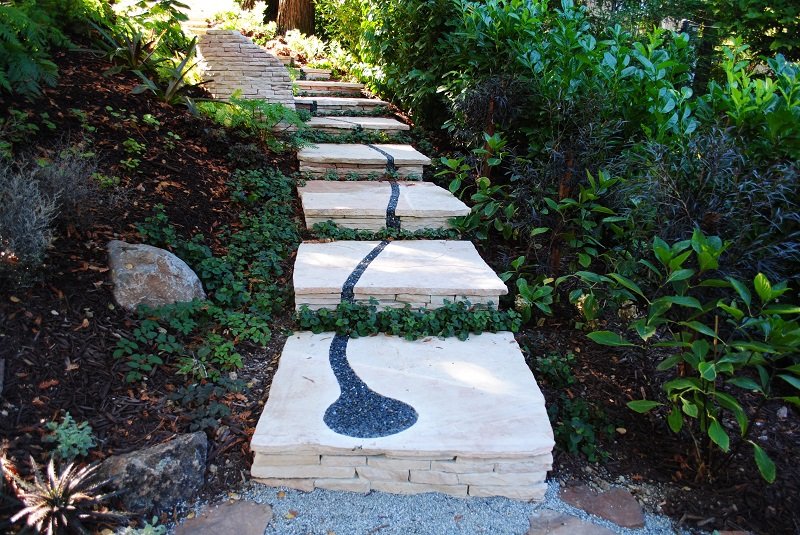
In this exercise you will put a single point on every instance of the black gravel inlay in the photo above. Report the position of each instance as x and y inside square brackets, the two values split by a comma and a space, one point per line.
[390, 167]
[392, 221]
[360, 411]
[350, 283]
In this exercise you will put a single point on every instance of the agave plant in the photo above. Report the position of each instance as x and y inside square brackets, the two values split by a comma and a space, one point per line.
[62, 501]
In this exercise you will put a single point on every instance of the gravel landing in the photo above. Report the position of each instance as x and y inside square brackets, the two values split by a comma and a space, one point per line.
[323, 512]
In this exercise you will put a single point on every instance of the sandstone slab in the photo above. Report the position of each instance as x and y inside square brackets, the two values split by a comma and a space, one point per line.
[146, 275]
[241, 518]
[617, 504]
[339, 125]
[363, 204]
[323, 104]
[475, 398]
[452, 270]
[321, 88]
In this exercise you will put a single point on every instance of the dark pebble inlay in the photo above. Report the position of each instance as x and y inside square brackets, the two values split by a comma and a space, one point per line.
[350, 283]
[359, 411]
[392, 221]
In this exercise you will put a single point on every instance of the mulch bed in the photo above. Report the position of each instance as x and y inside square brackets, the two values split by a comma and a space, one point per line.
[57, 335]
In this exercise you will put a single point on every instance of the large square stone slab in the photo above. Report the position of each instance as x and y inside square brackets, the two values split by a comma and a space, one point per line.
[481, 430]
[358, 154]
[429, 269]
[338, 125]
[338, 103]
[363, 205]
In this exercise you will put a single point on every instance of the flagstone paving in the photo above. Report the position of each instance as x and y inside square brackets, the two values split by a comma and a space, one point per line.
[322, 88]
[364, 205]
[423, 273]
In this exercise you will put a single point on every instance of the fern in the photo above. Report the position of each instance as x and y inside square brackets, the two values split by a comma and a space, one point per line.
[27, 34]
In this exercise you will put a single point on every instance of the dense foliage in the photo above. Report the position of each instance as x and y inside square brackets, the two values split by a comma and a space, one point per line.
[584, 136]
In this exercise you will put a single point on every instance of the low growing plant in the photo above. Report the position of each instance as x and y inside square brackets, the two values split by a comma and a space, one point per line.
[72, 439]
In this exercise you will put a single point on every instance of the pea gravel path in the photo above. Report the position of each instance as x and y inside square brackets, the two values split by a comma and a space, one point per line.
[323, 512]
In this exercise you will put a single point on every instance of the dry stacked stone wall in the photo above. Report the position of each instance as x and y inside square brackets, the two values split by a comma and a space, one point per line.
[233, 62]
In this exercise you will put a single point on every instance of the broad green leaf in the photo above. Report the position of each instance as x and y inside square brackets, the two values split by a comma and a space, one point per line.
[643, 329]
[680, 275]
[662, 251]
[759, 347]
[791, 379]
[741, 289]
[539, 230]
[607, 338]
[682, 300]
[732, 310]
[699, 327]
[584, 260]
[782, 309]
[763, 288]
[707, 370]
[642, 405]
[764, 463]
[718, 435]
[651, 267]
[794, 400]
[675, 420]
[690, 408]
[730, 403]
[746, 383]
[669, 362]
[627, 283]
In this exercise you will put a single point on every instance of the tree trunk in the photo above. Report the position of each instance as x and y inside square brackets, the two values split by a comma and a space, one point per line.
[296, 14]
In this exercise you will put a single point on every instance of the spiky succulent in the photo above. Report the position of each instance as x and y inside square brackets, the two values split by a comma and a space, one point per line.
[60, 502]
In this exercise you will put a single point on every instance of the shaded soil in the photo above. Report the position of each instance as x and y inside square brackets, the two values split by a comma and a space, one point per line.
[57, 334]
[658, 466]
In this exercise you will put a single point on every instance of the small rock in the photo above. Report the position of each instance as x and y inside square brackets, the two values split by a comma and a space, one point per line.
[240, 518]
[621, 430]
[783, 412]
[617, 505]
[160, 477]
[549, 522]
[146, 275]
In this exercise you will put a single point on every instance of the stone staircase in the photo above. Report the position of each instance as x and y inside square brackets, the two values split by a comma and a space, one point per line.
[382, 413]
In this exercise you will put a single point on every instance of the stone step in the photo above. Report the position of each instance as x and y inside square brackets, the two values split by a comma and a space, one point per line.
[363, 160]
[340, 125]
[321, 88]
[327, 104]
[366, 205]
[434, 415]
[315, 74]
[421, 273]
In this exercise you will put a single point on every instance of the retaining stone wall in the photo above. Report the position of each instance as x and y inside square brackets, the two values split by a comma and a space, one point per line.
[234, 62]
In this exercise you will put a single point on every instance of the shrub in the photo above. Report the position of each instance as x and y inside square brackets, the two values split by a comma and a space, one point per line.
[25, 220]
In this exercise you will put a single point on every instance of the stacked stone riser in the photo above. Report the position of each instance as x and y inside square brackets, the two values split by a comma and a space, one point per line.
[316, 74]
[410, 224]
[367, 170]
[345, 128]
[328, 104]
[232, 62]
[326, 88]
[331, 301]
[520, 477]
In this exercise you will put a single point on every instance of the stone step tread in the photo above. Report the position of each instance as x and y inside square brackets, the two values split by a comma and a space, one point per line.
[328, 84]
[340, 102]
[355, 123]
[414, 267]
[365, 199]
[354, 153]
[474, 399]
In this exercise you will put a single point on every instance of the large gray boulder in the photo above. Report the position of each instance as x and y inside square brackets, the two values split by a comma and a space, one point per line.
[146, 275]
[158, 478]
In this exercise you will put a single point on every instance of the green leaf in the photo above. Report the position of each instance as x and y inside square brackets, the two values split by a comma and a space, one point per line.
[782, 309]
[707, 370]
[669, 362]
[690, 408]
[627, 283]
[741, 289]
[764, 463]
[699, 327]
[763, 288]
[642, 405]
[729, 402]
[675, 420]
[607, 338]
[584, 260]
[718, 435]
[681, 300]
[680, 275]
[791, 379]
[746, 383]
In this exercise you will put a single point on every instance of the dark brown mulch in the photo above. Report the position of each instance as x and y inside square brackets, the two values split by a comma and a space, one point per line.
[648, 453]
[58, 332]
